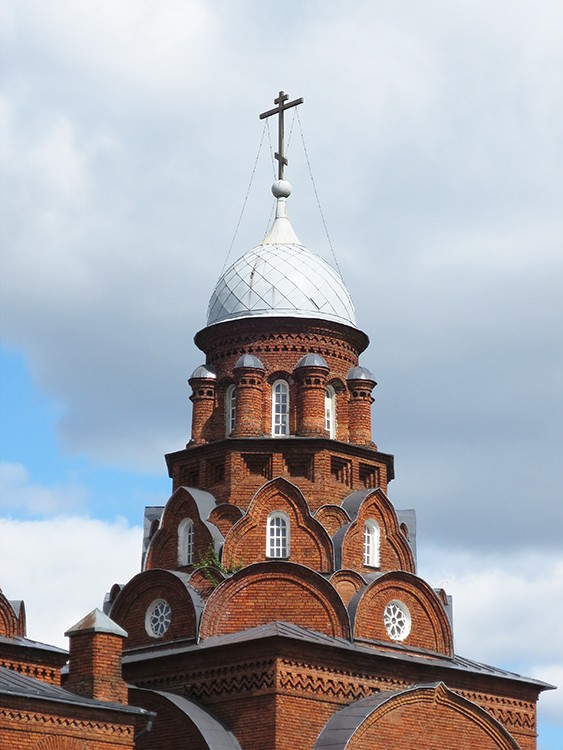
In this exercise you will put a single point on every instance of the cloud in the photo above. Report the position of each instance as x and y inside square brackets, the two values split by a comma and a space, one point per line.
[507, 609]
[19, 494]
[62, 567]
[129, 133]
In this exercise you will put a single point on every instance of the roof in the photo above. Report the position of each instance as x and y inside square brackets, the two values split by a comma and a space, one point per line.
[213, 731]
[97, 622]
[21, 641]
[20, 686]
[281, 278]
[297, 633]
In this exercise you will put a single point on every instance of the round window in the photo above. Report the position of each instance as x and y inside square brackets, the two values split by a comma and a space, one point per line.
[397, 620]
[158, 618]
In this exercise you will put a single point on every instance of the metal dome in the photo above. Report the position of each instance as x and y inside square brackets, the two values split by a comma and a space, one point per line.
[204, 371]
[311, 360]
[359, 373]
[249, 360]
[281, 278]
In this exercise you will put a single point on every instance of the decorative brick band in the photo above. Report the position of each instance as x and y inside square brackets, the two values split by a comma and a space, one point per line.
[48, 720]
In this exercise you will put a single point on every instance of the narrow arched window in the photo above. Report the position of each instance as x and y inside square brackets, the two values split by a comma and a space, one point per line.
[330, 411]
[277, 535]
[186, 542]
[230, 409]
[280, 408]
[371, 543]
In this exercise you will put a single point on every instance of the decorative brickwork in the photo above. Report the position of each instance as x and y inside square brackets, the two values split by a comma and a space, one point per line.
[347, 583]
[332, 517]
[266, 592]
[163, 548]
[131, 606]
[309, 543]
[27, 729]
[394, 550]
[429, 628]
[456, 724]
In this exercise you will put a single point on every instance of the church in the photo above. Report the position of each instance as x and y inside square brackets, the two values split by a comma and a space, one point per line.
[278, 606]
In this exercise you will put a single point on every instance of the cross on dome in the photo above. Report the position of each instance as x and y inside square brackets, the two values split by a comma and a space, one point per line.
[279, 110]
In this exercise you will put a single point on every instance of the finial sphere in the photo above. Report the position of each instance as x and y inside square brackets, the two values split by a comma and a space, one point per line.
[281, 189]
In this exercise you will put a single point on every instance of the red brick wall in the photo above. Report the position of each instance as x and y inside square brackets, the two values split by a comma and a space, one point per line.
[274, 591]
[171, 730]
[309, 542]
[95, 667]
[429, 719]
[394, 550]
[33, 725]
[131, 605]
[430, 628]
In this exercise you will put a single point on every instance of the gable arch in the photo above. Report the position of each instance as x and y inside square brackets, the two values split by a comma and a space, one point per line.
[280, 592]
[394, 550]
[424, 623]
[186, 504]
[429, 716]
[310, 543]
[332, 517]
[224, 516]
[130, 608]
[347, 583]
[8, 619]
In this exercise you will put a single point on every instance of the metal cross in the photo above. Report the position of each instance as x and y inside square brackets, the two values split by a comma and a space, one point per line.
[279, 110]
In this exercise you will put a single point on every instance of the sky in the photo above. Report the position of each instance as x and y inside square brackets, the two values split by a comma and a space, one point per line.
[129, 132]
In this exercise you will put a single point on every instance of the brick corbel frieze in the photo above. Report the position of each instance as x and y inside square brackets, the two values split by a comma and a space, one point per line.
[250, 677]
[343, 686]
[40, 721]
[518, 716]
[337, 685]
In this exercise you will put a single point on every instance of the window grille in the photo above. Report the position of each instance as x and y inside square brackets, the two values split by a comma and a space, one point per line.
[280, 408]
[186, 542]
[230, 409]
[371, 543]
[277, 542]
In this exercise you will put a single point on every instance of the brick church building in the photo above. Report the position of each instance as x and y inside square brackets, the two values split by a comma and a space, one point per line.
[278, 606]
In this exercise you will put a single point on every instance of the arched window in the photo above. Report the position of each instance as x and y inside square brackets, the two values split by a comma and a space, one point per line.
[230, 409]
[186, 542]
[277, 535]
[280, 408]
[371, 543]
[330, 411]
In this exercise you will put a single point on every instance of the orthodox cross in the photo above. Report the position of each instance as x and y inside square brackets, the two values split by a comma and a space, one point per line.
[279, 110]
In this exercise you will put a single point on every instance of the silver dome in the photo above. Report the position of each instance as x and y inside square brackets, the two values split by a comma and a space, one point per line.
[204, 371]
[281, 280]
[249, 360]
[359, 373]
[311, 360]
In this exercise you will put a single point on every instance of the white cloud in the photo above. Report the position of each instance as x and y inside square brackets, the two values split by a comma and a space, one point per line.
[19, 495]
[507, 611]
[62, 568]
[434, 139]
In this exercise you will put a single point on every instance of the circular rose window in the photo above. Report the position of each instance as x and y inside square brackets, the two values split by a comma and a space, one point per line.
[397, 620]
[158, 618]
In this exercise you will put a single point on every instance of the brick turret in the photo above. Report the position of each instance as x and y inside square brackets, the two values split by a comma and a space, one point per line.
[249, 383]
[311, 372]
[203, 384]
[96, 643]
[360, 385]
